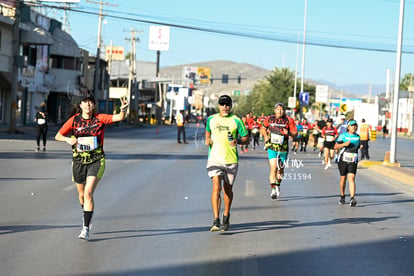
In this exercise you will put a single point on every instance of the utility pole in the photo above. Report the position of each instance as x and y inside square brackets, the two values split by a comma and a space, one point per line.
[96, 78]
[132, 73]
[393, 145]
[15, 69]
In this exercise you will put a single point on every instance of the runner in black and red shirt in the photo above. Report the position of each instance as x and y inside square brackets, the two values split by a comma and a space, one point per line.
[304, 137]
[329, 133]
[276, 131]
[85, 133]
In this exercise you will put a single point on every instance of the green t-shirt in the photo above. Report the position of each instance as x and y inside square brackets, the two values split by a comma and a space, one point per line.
[220, 151]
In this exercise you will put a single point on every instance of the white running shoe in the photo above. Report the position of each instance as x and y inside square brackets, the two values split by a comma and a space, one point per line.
[273, 194]
[326, 167]
[84, 234]
[323, 161]
[320, 154]
[329, 164]
[278, 191]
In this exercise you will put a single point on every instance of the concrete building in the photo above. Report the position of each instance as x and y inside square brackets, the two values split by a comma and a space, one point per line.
[51, 68]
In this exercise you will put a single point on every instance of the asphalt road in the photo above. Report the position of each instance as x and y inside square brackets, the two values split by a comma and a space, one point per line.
[153, 214]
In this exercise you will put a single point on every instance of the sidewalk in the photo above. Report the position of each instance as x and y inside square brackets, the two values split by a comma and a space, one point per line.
[27, 132]
[393, 171]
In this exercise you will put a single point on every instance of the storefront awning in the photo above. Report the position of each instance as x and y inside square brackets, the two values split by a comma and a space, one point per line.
[64, 44]
[35, 35]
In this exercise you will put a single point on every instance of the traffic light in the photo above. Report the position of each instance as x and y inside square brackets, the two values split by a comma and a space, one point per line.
[239, 79]
[224, 78]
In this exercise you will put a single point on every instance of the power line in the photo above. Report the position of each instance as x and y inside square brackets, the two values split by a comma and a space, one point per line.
[263, 35]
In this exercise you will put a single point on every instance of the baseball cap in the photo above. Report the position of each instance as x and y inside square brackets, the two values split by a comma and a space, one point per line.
[225, 100]
[326, 115]
[352, 122]
[279, 104]
[88, 98]
[329, 120]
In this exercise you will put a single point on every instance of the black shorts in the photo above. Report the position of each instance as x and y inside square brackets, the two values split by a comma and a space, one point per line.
[81, 171]
[296, 139]
[329, 145]
[347, 167]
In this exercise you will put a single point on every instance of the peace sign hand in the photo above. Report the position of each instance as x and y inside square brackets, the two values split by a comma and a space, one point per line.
[124, 102]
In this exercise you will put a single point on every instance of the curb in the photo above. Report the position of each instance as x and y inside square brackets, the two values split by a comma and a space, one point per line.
[403, 175]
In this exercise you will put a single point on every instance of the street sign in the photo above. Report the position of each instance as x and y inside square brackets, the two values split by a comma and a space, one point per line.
[304, 98]
[159, 38]
[343, 108]
[236, 93]
[322, 95]
[292, 102]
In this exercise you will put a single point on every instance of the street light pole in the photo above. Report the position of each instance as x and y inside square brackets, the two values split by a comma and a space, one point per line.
[303, 45]
[397, 86]
[98, 54]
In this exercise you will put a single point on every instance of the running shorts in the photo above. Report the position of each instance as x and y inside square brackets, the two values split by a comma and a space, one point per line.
[81, 171]
[280, 155]
[329, 145]
[227, 171]
[347, 167]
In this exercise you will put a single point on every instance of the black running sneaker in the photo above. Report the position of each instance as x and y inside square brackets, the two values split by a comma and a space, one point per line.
[342, 200]
[216, 225]
[352, 202]
[226, 223]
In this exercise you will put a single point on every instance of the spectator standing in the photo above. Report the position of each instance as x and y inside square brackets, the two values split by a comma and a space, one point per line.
[41, 126]
[364, 134]
[385, 131]
[181, 127]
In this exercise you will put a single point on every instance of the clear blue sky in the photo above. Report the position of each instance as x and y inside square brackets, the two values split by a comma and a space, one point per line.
[371, 24]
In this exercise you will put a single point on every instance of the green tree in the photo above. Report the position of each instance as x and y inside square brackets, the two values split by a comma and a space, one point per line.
[406, 81]
[276, 87]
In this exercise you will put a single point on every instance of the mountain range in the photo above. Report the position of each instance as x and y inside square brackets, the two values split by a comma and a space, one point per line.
[251, 74]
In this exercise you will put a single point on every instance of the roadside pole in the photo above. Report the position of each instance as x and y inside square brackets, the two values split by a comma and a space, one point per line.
[397, 87]
[15, 76]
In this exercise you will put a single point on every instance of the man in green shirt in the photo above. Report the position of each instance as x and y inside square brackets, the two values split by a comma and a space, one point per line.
[222, 130]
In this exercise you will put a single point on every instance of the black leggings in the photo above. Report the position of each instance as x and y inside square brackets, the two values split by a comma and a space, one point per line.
[41, 131]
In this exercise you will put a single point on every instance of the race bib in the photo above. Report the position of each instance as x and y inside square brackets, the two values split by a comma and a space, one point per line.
[255, 130]
[276, 139]
[350, 157]
[330, 138]
[320, 140]
[41, 121]
[315, 131]
[87, 143]
[305, 130]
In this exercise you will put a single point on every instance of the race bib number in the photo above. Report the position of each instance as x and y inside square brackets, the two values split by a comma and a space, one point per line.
[320, 140]
[41, 121]
[276, 139]
[87, 143]
[350, 157]
[330, 138]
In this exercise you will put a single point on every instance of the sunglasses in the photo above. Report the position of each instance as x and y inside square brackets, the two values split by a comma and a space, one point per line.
[225, 104]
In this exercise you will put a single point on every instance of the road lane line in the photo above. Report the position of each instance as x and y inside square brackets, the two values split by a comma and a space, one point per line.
[68, 188]
[249, 188]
